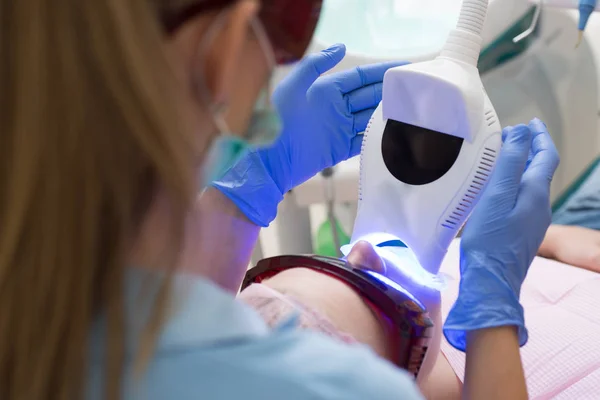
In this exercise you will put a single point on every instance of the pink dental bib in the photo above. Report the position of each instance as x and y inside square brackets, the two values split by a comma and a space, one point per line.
[562, 313]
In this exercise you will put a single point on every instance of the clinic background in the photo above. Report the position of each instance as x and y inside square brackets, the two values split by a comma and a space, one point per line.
[543, 75]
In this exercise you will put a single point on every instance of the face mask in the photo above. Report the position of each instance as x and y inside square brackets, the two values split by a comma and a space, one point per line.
[224, 153]
[228, 149]
[264, 128]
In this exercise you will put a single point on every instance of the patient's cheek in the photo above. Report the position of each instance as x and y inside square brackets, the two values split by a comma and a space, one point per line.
[276, 308]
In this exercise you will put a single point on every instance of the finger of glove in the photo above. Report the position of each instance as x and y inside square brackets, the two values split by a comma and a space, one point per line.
[356, 145]
[533, 204]
[365, 97]
[505, 132]
[361, 120]
[511, 162]
[314, 65]
[544, 160]
[352, 79]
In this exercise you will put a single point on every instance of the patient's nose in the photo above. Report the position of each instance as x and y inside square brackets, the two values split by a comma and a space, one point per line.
[363, 255]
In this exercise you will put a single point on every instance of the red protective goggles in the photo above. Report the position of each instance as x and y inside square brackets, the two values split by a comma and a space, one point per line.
[289, 24]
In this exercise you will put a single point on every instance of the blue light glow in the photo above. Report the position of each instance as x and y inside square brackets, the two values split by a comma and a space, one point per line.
[392, 284]
[405, 263]
[401, 262]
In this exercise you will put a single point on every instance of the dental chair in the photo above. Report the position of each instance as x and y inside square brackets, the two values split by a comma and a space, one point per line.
[540, 76]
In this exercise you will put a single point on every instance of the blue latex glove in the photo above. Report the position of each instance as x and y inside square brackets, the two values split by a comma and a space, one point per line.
[503, 235]
[322, 118]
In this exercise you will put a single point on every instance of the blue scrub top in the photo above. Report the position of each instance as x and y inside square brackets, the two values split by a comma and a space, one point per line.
[217, 348]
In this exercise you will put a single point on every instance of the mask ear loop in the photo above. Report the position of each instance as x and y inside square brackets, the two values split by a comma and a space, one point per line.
[267, 49]
[216, 110]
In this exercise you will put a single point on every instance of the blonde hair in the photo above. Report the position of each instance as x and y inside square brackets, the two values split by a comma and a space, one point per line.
[89, 131]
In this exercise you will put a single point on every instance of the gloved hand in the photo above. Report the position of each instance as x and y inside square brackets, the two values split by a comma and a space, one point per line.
[322, 118]
[503, 235]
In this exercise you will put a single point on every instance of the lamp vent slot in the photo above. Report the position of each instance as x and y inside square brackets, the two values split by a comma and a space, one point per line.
[489, 118]
[362, 151]
[482, 173]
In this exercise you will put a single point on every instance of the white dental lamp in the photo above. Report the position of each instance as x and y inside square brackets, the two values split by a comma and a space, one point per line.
[544, 77]
[430, 147]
